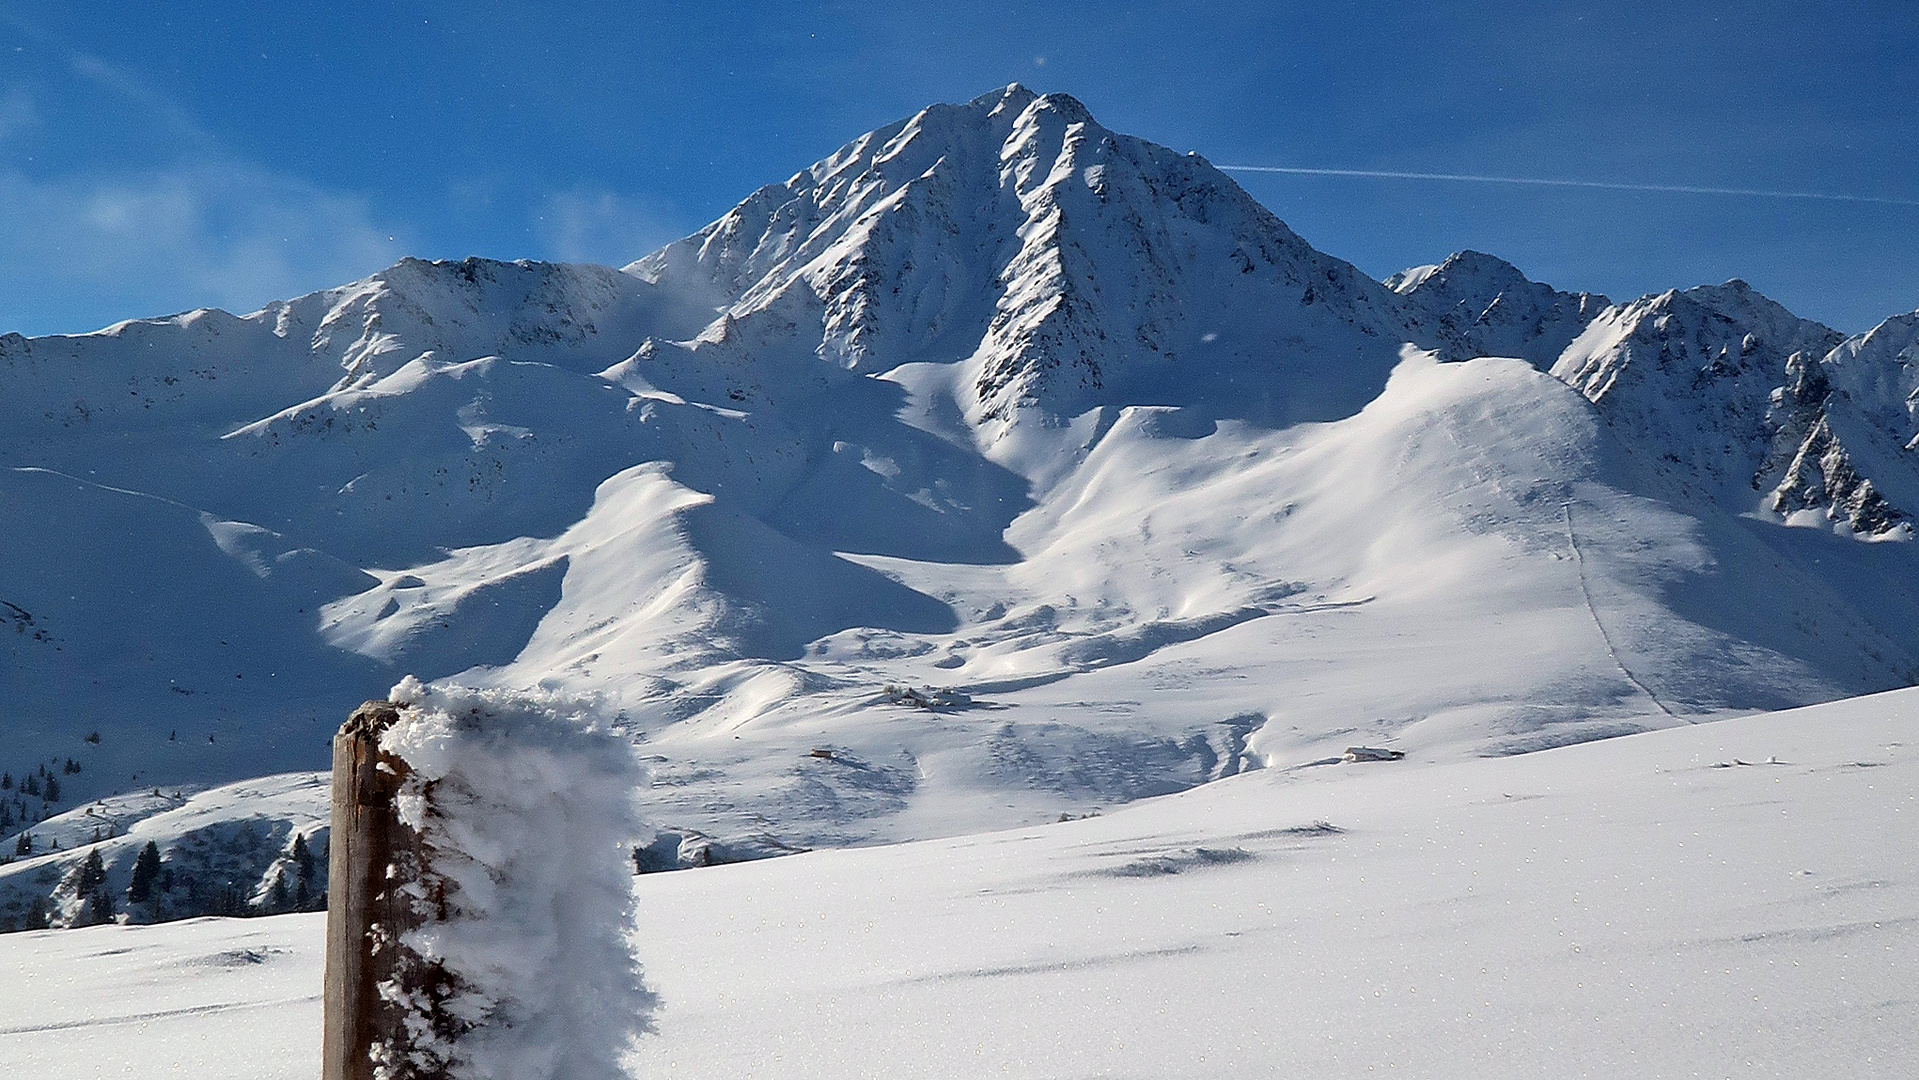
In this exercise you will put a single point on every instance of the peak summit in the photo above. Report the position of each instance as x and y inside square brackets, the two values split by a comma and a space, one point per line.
[1061, 264]
[1013, 96]
[1016, 98]
[1481, 305]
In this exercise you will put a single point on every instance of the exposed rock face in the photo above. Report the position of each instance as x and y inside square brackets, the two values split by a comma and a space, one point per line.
[1821, 475]
[1853, 404]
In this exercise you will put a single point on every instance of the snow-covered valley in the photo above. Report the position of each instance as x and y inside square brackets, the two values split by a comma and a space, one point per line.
[996, 468]
[1721, 899]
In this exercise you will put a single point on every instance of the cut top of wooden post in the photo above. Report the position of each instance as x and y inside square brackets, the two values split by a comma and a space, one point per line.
[373, 778]
[371, 851]
[371, 719]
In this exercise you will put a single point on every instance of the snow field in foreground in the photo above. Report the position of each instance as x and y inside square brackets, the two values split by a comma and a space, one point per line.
[1727, 899]
[1646, 906]
[210, 999]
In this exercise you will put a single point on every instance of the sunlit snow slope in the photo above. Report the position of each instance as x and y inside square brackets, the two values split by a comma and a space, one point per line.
[993, 400]
[1731, 899]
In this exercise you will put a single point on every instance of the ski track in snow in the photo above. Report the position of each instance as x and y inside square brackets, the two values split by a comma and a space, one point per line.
[1585, 590]
[163, 1014]
[103, 487]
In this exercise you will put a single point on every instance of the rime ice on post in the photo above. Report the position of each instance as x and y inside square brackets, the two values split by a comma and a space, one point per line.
[506, 952]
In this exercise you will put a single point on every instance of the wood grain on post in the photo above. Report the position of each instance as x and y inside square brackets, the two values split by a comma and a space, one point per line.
[365, 910]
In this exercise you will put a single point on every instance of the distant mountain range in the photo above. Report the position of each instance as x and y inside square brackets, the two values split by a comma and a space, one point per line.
[997, 467]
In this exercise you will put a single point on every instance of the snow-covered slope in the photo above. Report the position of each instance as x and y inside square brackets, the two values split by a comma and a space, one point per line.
[1731, 898]
[993, 400]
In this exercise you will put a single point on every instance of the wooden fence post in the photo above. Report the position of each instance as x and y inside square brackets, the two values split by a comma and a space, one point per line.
[370, 853]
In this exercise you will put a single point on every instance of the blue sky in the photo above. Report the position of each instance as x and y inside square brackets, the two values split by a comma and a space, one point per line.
[193, 154]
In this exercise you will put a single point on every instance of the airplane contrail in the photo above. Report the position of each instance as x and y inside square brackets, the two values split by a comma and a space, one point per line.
[1536, 181]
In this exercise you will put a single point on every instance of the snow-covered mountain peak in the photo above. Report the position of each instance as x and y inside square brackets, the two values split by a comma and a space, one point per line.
[1057, 265]
[759, 246]
[1879, 371]
[1680, 343]
[1731, 396]
[1476, 304]
[1845, 441]
[1728, 395]
[1461, 266]
[1772, 326]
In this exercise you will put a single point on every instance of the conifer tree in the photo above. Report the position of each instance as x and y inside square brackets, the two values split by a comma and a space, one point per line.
[93, 872]
[146, 869]
[302, 858]
[89, 883]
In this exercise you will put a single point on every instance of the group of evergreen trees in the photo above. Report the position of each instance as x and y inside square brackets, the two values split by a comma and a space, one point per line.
[24, 846]
[31, 798]
[41, 785]
[38, 916]
[97, 904]
[152, 892]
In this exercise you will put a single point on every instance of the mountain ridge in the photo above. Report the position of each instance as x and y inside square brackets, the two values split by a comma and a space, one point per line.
[991, 399]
